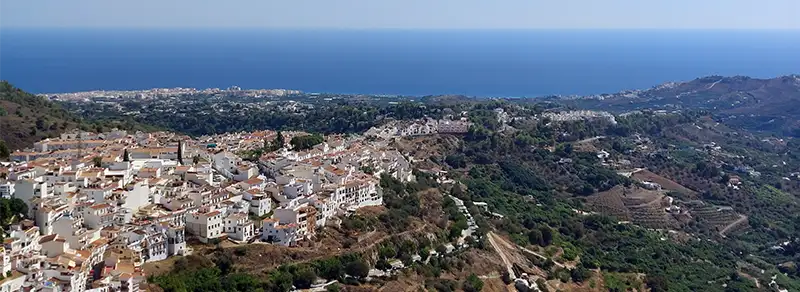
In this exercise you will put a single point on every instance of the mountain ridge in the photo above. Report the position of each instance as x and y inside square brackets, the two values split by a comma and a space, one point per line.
[762, 104]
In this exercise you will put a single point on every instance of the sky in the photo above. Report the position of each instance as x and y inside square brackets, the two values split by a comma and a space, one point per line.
[403, 14]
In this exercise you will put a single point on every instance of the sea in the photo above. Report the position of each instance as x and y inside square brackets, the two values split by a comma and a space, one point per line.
[483, 63]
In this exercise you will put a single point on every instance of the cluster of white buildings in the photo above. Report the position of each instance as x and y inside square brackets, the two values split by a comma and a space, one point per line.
[312, 187]
[419, 127]
[578, 115]
[119, 200]
[169, 92]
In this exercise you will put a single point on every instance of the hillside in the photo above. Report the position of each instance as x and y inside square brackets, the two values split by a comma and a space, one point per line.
[752, 103]
[26, 118]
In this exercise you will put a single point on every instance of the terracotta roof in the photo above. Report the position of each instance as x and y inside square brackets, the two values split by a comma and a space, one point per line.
[285, 226]
[84, 254]
[51, 237]
[100, 206]
[254, 181]
[99, 242]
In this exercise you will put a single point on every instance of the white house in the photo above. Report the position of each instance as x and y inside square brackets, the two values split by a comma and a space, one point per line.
[360, 193]
[176, 240]
[273, 231]
[260, 204]
[136, 196]
[297, 187]
[303, 215]
[239, 227]
[54, 245]
[205, 225]
[244, 172]
[98, 216]
[6, 189]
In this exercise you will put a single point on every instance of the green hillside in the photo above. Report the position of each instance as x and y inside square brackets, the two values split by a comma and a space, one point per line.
[26, 118]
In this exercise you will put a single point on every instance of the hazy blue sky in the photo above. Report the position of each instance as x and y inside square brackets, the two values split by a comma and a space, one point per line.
[439, 14]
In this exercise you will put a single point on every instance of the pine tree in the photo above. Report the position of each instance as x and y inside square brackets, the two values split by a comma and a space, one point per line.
[180, 152]
[280, 140]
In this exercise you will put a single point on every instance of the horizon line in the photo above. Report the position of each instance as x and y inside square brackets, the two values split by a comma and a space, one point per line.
[795, 75]
[791, 29]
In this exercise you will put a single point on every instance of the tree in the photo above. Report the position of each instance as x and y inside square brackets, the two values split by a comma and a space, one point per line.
[18, 206]
[279, 140]
[4, 152]
[456, 161]
[180, 152]
[358, 269]
[6, 213]
[547, 235]
[280, 280]
[241, 282]
[300, 143]
[506, 277]
[126, 156]
[535, 237]
[441, 249]
[580, 274]
[97, 161]
[304, 278]
[387, 252]
[656, 283]
[542, 285]
[383, 265]
[473, 284]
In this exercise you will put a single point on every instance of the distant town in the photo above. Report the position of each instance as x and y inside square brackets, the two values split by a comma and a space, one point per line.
[167, 92]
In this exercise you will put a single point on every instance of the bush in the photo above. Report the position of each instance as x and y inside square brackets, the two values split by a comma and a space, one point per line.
[473, 284]
[357, 269]
[505, 277]
[383, 265]
[304, 278]
[542, 285]
[580, 274]
[240, 251]
[563, 275]
[333, 288]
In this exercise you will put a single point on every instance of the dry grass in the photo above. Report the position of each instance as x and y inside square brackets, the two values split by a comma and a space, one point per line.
[667, 184]
[160, 267]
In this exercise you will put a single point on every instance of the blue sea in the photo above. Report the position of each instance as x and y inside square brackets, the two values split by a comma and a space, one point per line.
[490, 63]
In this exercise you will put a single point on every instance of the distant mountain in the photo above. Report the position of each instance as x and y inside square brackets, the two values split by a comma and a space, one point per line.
[26, 118]
[756, 104]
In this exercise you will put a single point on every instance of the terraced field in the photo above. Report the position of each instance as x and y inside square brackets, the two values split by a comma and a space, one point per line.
[639, 206]
[722, 219]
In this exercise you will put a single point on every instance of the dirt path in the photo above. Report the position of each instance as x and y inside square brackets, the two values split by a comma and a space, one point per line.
[541, 256]
[502, 254]
[748, 276]
[587, 140]
[515, 246]
[742, 218]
